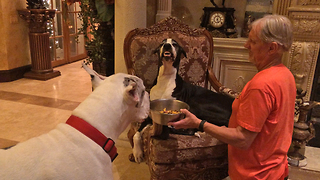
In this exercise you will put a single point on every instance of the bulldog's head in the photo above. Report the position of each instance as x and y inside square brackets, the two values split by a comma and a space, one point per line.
[117, 96]
[170, 51]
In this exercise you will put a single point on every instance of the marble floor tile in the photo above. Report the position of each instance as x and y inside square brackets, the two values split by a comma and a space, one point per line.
[20, 121]
[73, 84]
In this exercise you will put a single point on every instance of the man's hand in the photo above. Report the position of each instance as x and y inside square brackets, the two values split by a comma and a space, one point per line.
[190, 121]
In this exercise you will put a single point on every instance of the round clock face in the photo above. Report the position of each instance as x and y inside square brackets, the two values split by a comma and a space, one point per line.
[217, 19]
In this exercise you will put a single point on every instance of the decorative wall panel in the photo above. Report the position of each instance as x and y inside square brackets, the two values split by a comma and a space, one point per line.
[303, 56]
[305, 18]
[231, 65]
[306, 25]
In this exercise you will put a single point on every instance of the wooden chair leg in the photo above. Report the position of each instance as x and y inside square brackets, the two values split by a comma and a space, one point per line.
[156, 129]
[130, 135]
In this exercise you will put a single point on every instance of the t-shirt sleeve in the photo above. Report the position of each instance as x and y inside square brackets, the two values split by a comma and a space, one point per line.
[254, 109]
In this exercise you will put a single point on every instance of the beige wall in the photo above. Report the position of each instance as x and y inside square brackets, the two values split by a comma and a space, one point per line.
[3, 62]
[128, 15]
[14, 43]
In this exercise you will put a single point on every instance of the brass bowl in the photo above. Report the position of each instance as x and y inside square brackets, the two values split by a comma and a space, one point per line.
[170, 104]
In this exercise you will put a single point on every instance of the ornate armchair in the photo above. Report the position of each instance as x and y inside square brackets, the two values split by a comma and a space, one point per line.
[180, 156]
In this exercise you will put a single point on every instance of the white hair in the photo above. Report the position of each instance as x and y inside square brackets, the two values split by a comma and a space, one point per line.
[275, 28]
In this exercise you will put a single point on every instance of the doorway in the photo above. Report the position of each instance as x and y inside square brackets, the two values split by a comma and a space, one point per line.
[315, 112]
[66, 44]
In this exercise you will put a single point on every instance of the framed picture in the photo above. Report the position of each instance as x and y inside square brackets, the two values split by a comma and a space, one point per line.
[255, 9]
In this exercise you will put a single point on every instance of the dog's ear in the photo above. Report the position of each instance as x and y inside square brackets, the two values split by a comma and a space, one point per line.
[131, 93]
[96, 78]
[182, 51]
[157, 50]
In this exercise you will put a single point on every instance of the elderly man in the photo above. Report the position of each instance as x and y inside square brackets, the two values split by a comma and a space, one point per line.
[261, 124]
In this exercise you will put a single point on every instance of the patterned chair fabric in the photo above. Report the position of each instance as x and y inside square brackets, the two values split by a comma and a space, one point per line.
[179, 157]
[184, 157]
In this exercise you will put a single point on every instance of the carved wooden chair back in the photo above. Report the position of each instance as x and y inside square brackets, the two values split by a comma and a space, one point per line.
[140, 60]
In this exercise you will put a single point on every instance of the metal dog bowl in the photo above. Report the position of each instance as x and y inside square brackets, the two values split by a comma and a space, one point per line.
[170, 104]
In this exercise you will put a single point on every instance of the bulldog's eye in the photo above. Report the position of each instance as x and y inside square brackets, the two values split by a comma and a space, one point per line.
[141, 97]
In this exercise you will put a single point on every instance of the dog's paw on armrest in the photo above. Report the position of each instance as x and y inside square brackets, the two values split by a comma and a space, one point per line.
[228, 91]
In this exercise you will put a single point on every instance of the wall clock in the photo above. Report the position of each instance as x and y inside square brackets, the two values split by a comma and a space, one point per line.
[217, 19]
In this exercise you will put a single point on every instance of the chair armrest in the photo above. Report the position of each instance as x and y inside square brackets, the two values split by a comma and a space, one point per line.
[214, 82]
[219, 87]
[131, 71]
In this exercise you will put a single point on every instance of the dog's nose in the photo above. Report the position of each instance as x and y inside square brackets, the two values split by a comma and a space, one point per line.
[166, 46]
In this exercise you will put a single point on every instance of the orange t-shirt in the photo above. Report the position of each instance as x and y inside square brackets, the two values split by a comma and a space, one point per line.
[265, 105]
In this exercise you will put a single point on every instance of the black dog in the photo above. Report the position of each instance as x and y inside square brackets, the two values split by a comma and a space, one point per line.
[205, 104]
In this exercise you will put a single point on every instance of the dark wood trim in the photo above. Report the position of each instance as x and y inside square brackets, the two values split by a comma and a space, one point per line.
[7, 143]
[13, 74]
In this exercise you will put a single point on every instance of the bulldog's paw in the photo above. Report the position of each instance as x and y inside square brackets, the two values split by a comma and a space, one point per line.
[131, 158]
[137, 148]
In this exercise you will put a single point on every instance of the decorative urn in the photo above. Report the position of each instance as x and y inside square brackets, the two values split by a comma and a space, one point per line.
[303, 130]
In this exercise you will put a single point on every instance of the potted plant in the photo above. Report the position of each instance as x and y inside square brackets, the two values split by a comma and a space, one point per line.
[98, 28]
[35, 4]
[37, 16]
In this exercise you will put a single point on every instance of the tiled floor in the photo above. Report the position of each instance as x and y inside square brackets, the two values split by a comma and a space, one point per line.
[32, 107]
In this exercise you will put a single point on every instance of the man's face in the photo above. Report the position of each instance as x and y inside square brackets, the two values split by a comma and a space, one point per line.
[258, 50]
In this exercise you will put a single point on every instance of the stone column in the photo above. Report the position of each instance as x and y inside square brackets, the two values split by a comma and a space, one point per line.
[41, 68]
[164, 9]
[281, 7]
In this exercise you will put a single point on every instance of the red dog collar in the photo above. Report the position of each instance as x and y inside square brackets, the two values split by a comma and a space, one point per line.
[91, 132]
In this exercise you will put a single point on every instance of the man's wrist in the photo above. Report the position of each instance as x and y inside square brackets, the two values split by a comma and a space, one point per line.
[201, 125]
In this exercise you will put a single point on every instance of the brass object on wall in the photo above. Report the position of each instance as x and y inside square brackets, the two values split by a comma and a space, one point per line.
[37, 20]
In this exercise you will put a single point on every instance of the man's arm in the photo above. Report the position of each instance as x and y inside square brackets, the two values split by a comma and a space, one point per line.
[238, 137]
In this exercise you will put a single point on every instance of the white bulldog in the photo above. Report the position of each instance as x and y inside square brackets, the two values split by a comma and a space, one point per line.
[76, 149]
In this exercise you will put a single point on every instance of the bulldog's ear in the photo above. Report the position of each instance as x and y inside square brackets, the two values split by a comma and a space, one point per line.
[130, 94]
[96, 78]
